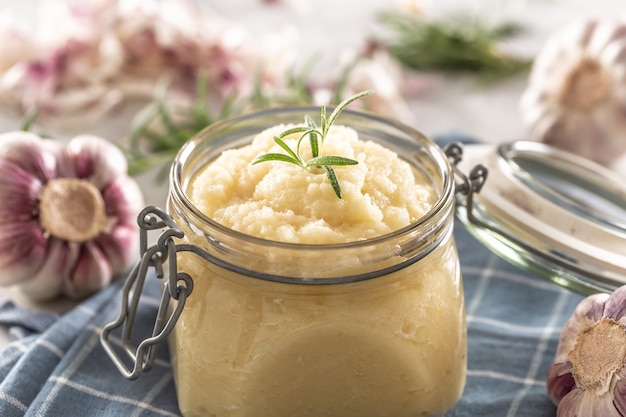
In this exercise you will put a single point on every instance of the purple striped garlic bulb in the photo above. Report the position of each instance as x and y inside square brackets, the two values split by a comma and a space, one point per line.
[67, 214]
[588, 375]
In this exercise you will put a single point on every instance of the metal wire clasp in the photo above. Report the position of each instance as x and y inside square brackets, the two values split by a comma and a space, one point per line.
[179, 287]
[468, 184]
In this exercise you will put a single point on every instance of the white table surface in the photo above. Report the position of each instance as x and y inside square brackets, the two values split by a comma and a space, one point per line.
[490, 113]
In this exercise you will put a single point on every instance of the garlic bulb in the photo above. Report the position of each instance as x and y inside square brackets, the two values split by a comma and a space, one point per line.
[576, 93]
[82, 60]
[588, 376]
[67, 214]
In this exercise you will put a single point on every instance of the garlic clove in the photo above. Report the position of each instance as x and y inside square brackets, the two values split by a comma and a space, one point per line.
[615, 305]
[23, 249]
[598, 406]
[560, 381]
[118, 245]
[569, 404]
[587, 404]
[33, 154]
[124, 200]
[620, 392]
[19, 190]
[47, 283]
[96, 160]
[91, 273]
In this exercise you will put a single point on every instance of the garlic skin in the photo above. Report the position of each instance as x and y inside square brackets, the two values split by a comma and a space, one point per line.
[588, 375]
[67, 214]
[575, 98]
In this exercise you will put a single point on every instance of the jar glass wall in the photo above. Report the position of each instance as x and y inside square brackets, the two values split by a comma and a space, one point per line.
[370, 328]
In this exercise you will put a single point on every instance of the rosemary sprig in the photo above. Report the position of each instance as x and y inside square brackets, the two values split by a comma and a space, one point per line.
[458, 44]
[317, 136]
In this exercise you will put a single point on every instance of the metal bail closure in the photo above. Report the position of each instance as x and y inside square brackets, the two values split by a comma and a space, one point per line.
[469, 184]
[179, 287]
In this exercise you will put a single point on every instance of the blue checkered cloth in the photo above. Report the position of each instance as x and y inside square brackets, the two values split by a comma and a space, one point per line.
[58, 367]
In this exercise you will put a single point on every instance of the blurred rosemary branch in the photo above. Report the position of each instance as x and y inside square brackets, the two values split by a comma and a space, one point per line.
[157, 134]
[456, 45]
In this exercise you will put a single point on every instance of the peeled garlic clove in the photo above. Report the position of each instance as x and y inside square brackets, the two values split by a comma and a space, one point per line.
[587, 375]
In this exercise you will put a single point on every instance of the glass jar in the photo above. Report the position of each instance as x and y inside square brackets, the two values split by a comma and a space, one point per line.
[371, 328]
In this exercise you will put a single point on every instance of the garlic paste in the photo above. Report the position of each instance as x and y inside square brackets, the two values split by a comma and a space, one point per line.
[281, 201]
[389, 346]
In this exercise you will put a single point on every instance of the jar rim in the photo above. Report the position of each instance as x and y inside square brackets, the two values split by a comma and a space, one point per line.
[444, 203]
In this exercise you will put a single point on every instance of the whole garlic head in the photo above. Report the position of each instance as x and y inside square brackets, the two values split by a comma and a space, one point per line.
[588, 375]
[575, 98]
[67, 214]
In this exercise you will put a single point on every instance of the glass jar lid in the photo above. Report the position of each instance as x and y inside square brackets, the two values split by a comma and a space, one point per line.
[548, 211]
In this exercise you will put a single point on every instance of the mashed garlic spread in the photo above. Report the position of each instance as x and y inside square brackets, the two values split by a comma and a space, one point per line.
[284, 202]
[392, 346]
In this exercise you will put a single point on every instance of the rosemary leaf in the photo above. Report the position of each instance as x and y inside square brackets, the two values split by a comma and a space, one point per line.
[334, 182]
[340, 108]
[310, 122]
[329, 160]
[294, 130]
[313, 139]
[294, 155]
[281, 157]
[315, 147]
